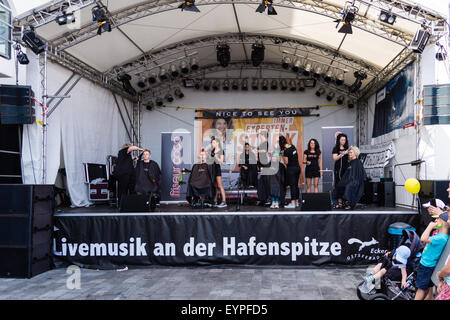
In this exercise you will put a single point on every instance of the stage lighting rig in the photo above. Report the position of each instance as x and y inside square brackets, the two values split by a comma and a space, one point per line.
[149, 106]
[194, 64]
[244, 85]
[285, 63]
[216, 85]
[174, 71]
[152, 78]
[226, 85]
[99, 16]
[206, 85]
[320, 91]
[169, 97]
[178, 93]
[340, 79]
[126, 84]
[328, 77]
[65, 18]
[234, 84]
[317, 72]
[36, 44]
[274, 84]
[159, 102]
[188, 5]
[307, 70]
[257, 53]
[387, 16]
[349, 14]
[266, 4]
[184, 67]
[330, 95]
[292, 85]
[255, 84]
[163, 74]
[265, 85]
[223, 54]
[301, 85]
[22, 58]
[283, 85]
[141, 83]
[360, 76]
[296, 66]
[340, 99]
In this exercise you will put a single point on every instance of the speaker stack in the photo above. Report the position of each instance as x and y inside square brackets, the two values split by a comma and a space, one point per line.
[26, 226]
[16, 105]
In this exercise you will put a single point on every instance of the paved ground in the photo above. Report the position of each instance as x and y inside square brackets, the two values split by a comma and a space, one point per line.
[189, 283]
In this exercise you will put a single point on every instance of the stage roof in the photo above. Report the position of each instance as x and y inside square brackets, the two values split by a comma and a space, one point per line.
[149, 35]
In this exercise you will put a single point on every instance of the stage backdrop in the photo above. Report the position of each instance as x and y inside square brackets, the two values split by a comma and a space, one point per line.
[244, 127]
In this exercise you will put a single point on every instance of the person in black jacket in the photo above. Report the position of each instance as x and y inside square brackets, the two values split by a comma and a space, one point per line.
[200, 184]
[148, 177]
[124, 170]
[290, 155]
[249, 170]
[350, 188]
[340, 157]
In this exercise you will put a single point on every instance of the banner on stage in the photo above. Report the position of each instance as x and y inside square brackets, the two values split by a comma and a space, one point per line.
[257, 113]
[375, 158]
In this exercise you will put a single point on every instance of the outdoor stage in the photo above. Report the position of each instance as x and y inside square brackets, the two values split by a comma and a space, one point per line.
[101, 237]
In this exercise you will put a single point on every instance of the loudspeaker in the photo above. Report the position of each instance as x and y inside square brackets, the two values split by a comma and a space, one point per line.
[26, 226]
[386, 195]
[16, 105]
[36, 44]
[419, 41]
[320, 201]
[135, 203]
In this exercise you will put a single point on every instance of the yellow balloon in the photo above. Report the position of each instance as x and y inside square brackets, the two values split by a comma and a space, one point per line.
[412, 185]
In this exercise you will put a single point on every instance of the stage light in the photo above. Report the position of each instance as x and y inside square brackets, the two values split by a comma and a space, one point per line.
[274, 84]
[22, 58]
[301, 85]
[216, 85]
[197, 84]
[184, 67]
[283, 85]
[307, 70]
[255, 84]
[359, 75]
[149, 106]
[65, 18]
[35, 43]
[317, 72]
[141, 83]
[320, 91]
[270, 9]
[99, 16]
[152, 78]
[178, 93]
[292, 85]
[349, 13]
[330, 95]
[207, 85]
[265, 85]
[159, 102]
[296, 66]
[328, 77]
[226, 85]
[285, 62]
[194, 64]
[223, 54]
[174, 71]
[189, 5]
[257, 54]
[235, 85]
[351, 104]
[168, 97]
[244, 85]
[340, 100]
[441, 54]
[340, 79]
[387, 16]
[163, 74]
[126, 84]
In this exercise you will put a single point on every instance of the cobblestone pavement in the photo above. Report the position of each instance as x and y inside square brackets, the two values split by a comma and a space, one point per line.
[200, 283]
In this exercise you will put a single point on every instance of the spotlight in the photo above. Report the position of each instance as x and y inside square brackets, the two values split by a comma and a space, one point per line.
[169, 97]
[350, 12]
[189, 5]
[163, 74]
[351, 104]
[194, 64]
[223, 54]
[307, 70]
[296, 65]
[255, 84]
[21, 57]
[274, 84]
[197, 84]
[301, 85]
[320, 91]
[292, 85]
[159, 102]
[387, 16]
[328, 77]
[226, 85]
[141, 83]
[317, 72]
[330, 95]
[184, 67]
[65, 18]
[340, 100]
[207, 85]
[125, 79]
[216, 85]
[441, 54]
[257, 54]
[340, 79]
[152, 78]
[286, 62]
[178, 93]
[35, 43]
[174, 71]
[234, 84]
[265, 85]
[99, 16]
[150, 105]
[283, 85]
[359, 75]
[270, 9]
[244, 85]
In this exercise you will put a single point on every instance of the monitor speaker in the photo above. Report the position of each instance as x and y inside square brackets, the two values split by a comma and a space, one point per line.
[16, 105]
[386, 195]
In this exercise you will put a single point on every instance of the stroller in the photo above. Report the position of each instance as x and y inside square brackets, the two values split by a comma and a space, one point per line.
[391, 289]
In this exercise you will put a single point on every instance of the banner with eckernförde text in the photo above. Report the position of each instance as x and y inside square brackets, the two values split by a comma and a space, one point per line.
[113, 241]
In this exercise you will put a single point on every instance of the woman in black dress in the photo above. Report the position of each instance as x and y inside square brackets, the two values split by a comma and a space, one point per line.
[290, 155]
[340, 157]
[312, 158]
[216, 157]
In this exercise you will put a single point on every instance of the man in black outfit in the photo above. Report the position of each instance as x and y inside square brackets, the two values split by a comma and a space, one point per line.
[148, 177]
[249, 170]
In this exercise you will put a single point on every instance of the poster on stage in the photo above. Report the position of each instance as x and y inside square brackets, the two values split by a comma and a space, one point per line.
[176, 154]
[394, 106]
[235, 132]
[375, 158]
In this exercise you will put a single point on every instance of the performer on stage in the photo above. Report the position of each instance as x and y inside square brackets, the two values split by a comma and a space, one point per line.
[263, 163]
[200, 183]
[290, 155]
[148, 176]
[124, 170]
[350, 188]
[216, 157]
[249, 170]
[312, 158]
[277, 180]
[340, 157]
